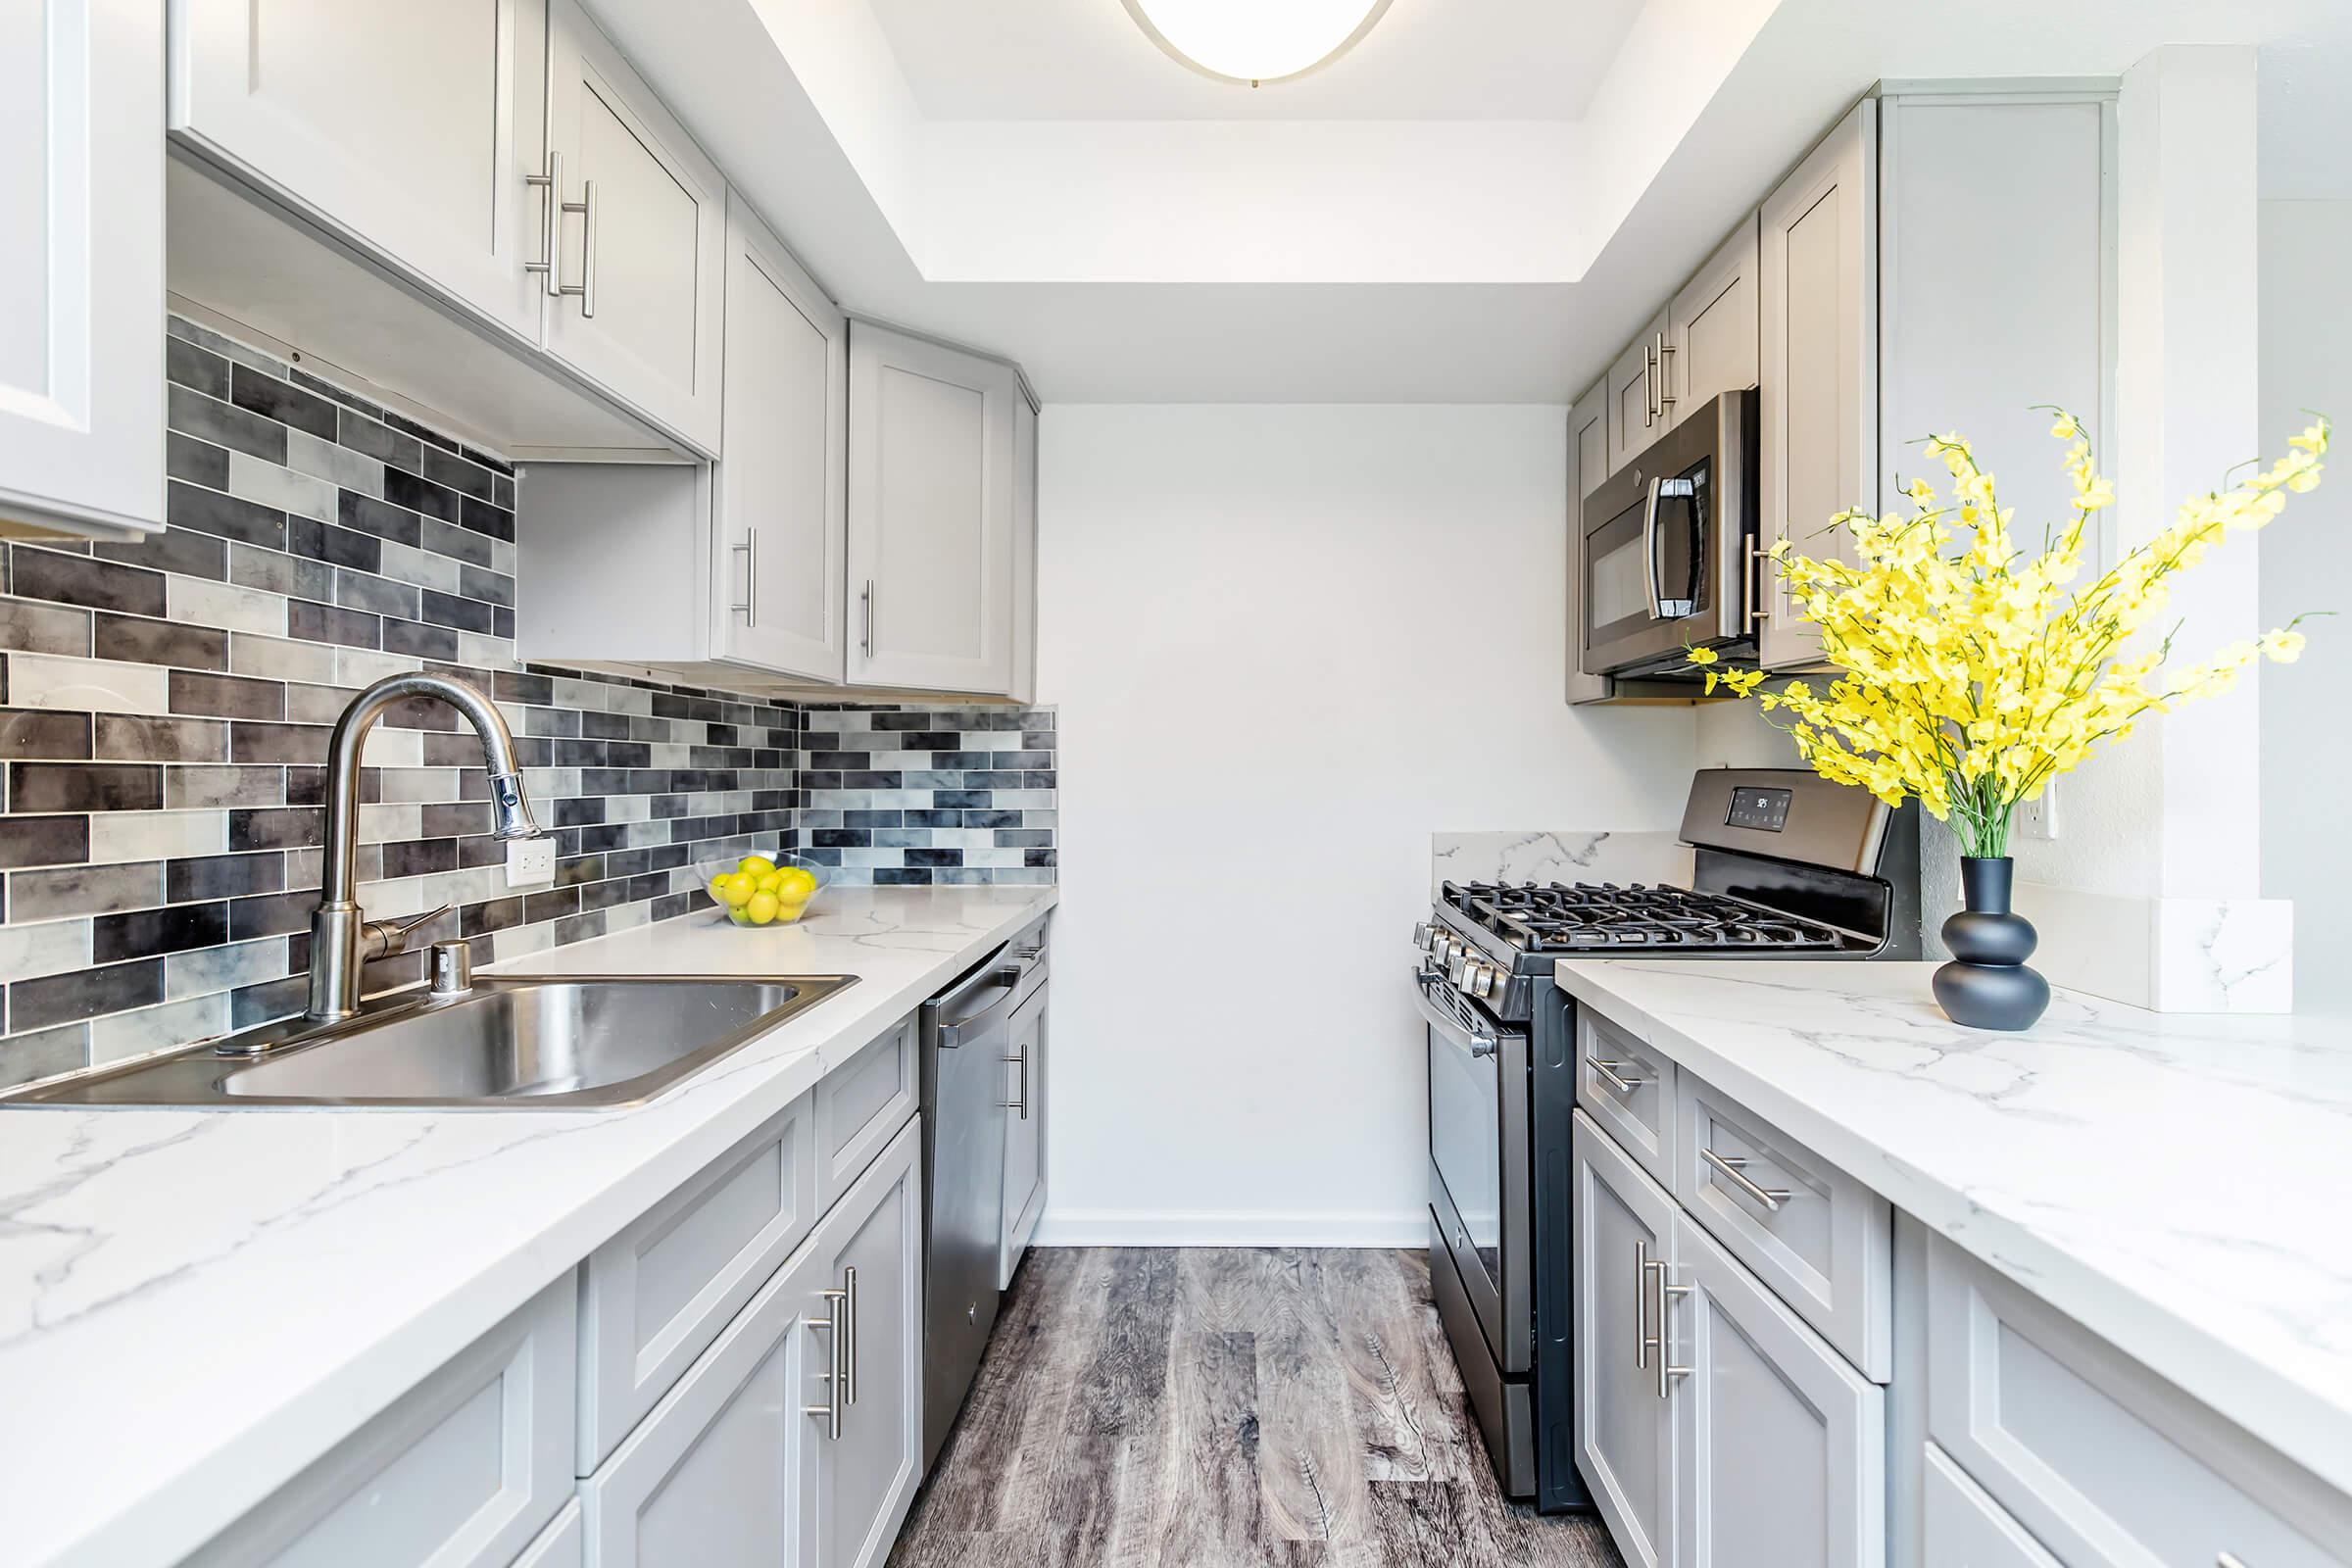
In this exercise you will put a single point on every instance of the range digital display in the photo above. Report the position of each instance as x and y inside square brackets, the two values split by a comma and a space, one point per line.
[1765, 811]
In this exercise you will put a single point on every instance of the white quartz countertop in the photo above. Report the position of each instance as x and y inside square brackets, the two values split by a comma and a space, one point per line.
[2180, 1184]
[195, 1304]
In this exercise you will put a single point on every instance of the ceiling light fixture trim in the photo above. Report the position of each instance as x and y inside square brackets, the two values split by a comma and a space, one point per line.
[1215, 38]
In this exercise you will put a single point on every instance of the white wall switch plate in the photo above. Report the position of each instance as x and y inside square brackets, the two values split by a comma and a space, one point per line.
[531, 862]
[2038, 819]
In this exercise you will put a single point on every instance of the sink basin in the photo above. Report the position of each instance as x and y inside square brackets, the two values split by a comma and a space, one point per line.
[511, 1043]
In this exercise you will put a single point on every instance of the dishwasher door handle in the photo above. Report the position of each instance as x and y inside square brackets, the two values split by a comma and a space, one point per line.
[953, 1034]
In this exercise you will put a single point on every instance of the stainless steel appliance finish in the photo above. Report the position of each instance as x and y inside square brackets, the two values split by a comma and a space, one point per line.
[507, 1042]
[1782, 866]
[1667, 544]
[966, 1063]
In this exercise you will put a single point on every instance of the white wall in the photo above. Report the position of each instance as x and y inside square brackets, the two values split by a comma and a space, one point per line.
[2307, 564]
[1287, 643]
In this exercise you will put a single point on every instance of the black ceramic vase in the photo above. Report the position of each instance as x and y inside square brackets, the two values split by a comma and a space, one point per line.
[1986, 985]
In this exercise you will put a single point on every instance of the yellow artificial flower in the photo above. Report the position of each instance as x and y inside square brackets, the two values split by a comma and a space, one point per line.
[1971, 671]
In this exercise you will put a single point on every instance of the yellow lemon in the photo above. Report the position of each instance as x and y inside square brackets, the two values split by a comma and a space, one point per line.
[756, 865]
[799, 883]
[737, 893]
[739, 918]
[774, 882]
[762, 908]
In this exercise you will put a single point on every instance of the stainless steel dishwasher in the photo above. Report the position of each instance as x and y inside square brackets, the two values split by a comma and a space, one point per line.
[966, 1068]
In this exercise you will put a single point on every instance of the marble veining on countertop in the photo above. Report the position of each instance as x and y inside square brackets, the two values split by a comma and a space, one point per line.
[196, 1303]
[2181, 1184]
[1564, 854]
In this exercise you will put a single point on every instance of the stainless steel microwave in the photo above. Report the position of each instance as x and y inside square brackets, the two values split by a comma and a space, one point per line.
[1666, 539]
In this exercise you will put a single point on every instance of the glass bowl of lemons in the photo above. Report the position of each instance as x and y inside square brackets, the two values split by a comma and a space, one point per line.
[763, 889]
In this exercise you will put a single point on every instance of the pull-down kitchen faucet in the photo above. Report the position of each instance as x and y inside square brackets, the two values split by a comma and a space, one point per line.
[342, 938]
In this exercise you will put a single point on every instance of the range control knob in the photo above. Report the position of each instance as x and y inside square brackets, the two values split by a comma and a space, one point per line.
[1421, 934]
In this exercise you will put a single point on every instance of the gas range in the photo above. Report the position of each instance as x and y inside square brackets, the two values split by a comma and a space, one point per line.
[1783, 864]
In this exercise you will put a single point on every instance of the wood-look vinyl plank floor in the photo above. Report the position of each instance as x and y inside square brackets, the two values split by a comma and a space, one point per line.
[1225, 1408]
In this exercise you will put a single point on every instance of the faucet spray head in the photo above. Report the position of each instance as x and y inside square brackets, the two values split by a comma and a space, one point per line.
[510, 812]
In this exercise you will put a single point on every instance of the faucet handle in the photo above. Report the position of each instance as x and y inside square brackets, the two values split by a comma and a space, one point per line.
[383, 939]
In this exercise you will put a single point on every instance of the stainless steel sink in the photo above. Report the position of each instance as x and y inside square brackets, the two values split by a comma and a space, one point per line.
[511, 1043]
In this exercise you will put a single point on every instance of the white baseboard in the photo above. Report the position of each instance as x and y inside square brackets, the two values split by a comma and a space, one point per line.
[1121, 1227]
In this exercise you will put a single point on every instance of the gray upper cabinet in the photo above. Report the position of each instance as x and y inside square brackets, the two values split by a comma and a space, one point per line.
[1818, 401]
[1641, 403]
[1711, 325]
[460, 1472]
[82, 276]
[931, 546]
[1623, 1235]
[638, 260]
[1588, 466]
[409, 128]
[1775, 1440]
[782, 499]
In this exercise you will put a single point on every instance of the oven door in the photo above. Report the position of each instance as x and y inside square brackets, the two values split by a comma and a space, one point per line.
[1478, 1154]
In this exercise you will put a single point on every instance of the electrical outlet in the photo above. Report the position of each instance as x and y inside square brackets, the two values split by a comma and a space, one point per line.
[2038, 819]
[531, 862]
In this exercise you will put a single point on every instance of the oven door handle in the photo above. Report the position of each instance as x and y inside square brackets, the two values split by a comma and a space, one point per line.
[1649, 550]
[1477, 1042]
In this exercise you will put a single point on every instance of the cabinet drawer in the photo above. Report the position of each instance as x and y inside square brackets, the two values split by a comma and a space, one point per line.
[460, 1472]
[1629, 1089]
[2105, 1463]
[861, 1105]
[1821, 1240]
[562, 1544]
[662, 1290]
[1966, 1529]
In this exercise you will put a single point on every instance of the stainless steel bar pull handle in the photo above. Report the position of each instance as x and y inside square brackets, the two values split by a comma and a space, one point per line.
[1020, 1100]
[585, 289]
[1772, 1198]
[748, 550]
[831, 1323]
[1643, 1340]
[1650, 386]
[1665, 383]
[1759, 609]
[1613, 1072]
[548, 185]
[865, 602]
[1667, 1370]
[849, 1292]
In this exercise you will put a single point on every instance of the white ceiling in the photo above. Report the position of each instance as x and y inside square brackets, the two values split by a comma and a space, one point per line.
[1379, 243]
[1087, 60]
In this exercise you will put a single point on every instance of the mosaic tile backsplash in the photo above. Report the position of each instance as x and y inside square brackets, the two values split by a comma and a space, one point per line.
[164, 708]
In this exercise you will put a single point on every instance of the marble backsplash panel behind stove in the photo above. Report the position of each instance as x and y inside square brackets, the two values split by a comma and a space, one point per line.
[1559, 856]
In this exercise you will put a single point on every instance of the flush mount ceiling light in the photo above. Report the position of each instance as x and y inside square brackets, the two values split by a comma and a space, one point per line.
[1252, 42]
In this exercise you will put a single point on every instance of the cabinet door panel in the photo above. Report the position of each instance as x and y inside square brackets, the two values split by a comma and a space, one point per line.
[1712, 325]
[717, 1476]
[1623, 1438]
[82, 276]
[1637, 416]
[931, 548]
[867, 1478]
[1024, 1133]
[1777, 1439]
[407, 126]
[1966, 1529]
[783, 517]
[1818, 362]
[649, 253]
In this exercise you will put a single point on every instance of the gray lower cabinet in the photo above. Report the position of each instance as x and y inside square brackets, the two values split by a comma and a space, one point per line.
[1622, 1228]
[861, 1105]
[792, 1440]
[562, 1544]
[656, 1294]
[1965, 1528]
[1024, 1133]
[1777, 1439]
[2105, 1464]
[460, 1472]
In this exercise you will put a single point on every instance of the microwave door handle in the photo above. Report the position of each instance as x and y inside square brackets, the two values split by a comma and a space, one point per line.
[1649, 550]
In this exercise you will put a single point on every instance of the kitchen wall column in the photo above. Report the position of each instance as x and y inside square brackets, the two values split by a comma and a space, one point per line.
[2151, 895]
